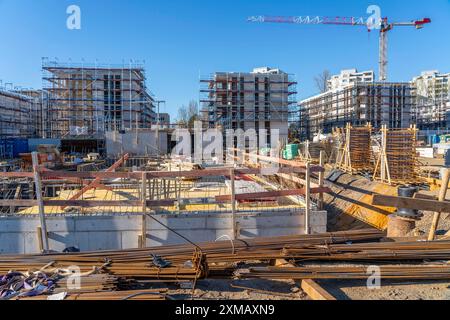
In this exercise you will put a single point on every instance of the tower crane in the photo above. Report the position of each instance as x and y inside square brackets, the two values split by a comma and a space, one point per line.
[384, 27]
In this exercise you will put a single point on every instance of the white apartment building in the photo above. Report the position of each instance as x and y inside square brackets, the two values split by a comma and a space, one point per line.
[349, 77]
[432, 93]
[433, 85]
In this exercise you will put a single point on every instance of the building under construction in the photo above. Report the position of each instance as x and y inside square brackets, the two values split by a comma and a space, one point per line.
[432, 105]
[17, 113]
[257, 100]
[85, 101]
[359, 104]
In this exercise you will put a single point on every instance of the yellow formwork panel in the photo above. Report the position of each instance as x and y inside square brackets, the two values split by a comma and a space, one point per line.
[374, 218]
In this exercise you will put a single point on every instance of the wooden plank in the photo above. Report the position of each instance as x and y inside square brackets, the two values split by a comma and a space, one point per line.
[16, 175]
[320, 203]
[72, 180]
[310, 287]
[39, 238]
[143, 242]
[442, 195]
[18, 203]
[411, 203]
[157, 174]
[315, 291]
[12, 209]
[97, 181]
[233, 204]
[270, 194]
[296, 180]
[87, 203]
[170, 174]
[307, 200]
[39, 199]
[290, 163]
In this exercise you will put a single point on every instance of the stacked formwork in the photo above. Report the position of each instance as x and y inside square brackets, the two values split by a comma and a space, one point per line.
[89, 100]
[374, 103]
[259, 100]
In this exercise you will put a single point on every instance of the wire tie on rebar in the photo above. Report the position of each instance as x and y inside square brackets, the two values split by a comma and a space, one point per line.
[229, 238]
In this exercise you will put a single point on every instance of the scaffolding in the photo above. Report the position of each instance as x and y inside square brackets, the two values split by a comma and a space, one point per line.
[431, 114]
[16, 115]
[86, 100]
[374, 103]
[247, 100]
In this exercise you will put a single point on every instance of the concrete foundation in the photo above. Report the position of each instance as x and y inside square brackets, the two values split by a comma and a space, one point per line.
[18, 234]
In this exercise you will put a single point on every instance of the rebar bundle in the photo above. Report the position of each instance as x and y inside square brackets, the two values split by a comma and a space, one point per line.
[355, 151]
[382, 251]
[397, 161]
[186, 261]
[401, 154]
[398, 272]
[360, 148]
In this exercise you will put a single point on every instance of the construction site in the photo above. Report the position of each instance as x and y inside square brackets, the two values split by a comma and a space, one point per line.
[340, 196]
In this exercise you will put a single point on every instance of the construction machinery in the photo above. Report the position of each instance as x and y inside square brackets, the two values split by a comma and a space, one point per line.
[383, 25]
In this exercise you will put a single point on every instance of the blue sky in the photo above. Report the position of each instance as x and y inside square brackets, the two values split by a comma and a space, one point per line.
[181, 39]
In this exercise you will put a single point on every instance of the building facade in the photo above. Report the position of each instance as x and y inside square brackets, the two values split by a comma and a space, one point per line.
[17, 115]
[349, 77]
[359, 104]
[257, 100]
[432, 106]
[164, 119]
[86, 101]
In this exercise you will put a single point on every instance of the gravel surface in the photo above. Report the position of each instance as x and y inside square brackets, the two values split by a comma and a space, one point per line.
[390, 290]
[258, 289]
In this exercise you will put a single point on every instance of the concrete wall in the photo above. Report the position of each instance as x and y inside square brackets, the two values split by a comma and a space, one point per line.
[114, 232]
[117, 143]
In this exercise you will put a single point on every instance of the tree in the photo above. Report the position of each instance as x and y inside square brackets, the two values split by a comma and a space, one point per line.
[294, 133]
[182, 118]
[322, 81]
[187, 115]
[193, 113]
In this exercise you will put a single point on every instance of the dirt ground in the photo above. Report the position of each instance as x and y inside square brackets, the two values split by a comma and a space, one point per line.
[290, 290]
[336, 204]
[264, 289]
[390, 290]
[258, 289]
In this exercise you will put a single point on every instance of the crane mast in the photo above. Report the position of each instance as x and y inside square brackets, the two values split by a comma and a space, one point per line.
[384, 28]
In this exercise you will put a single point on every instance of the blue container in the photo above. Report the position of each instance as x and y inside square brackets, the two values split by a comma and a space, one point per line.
[19, 146]
[11, 148]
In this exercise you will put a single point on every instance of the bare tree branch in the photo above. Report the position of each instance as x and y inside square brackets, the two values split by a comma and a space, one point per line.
[322, 81]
